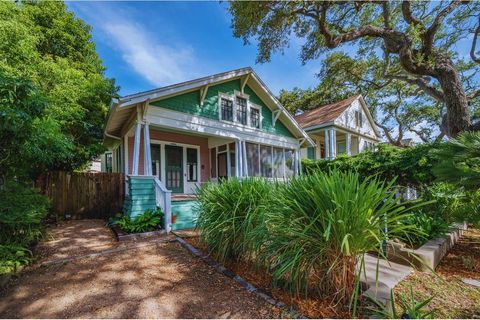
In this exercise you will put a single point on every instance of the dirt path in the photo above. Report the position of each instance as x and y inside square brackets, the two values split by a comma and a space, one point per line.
[155, 281]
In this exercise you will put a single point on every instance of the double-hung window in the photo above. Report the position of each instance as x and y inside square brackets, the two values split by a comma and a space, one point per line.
[255, 118]
[226, 109]
[242, 110]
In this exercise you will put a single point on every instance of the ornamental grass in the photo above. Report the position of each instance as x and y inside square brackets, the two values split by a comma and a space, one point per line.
[310, 232]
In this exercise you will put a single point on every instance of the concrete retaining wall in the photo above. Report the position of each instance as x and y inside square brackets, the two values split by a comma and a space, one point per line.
[428, 256]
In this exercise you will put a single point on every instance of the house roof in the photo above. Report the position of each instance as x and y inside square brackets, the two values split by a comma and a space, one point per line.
[120, 108]
[324, 114]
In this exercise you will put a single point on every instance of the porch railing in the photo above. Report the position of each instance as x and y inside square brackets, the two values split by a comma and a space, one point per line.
[163, 198]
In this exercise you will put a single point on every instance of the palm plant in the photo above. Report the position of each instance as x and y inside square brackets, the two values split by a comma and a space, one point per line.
[229, 211]
[320, 227]
[460, 160]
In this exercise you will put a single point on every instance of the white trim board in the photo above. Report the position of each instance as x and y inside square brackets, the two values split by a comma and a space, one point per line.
[170, 119]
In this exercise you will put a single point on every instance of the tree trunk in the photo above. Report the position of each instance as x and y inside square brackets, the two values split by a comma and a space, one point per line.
[458, 115]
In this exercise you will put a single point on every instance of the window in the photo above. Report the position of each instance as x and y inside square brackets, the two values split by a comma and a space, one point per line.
[108, 162]
[266, 161]
[242, 110]
[358, 118]
[192, 165]
[213, 160]
[226, 110]
[155, 153]
[289, 163]
[311, 153]
[255, 118]
[253, 160]
[278, 167]
[231, 148]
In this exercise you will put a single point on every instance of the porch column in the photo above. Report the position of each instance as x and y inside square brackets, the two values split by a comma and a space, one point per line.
[348, 144]
[147, 155]
[136, 148]
[333, 143]
[238, 159]
[327, 144]
[244, 159]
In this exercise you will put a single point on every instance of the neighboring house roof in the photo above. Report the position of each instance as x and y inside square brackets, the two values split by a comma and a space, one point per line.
[324, 114]
[327, 114]
[246, 74]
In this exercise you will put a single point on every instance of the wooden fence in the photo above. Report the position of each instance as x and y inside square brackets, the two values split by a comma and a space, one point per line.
[84, 195]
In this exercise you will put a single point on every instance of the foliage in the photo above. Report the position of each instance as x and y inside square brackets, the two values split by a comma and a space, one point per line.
[415, 41]
[13, 256]
[228, 213]
[150, 220]
[30, 141]
[395, 105]
[44, 43]
[410, 308]
[428, 226]
[410, 166]
[323, 224]
[311, 227]
[460, 161]
[22, 210]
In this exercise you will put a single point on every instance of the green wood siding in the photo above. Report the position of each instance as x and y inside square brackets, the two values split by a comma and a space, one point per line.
[190, 103]
[186, 213]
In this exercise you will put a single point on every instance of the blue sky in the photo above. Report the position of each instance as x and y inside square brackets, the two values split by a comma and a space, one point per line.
[145, 45]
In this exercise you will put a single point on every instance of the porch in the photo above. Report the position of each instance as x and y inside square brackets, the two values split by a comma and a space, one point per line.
[332, 142]
[165, 167]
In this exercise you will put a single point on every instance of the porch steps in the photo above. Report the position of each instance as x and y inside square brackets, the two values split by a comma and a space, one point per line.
[141, 196]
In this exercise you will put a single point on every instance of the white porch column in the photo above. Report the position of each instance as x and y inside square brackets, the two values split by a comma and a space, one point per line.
[333, 143]
[136, 148]
[348, 144]
[238, 159]
[147, 154]
[327, 144]
[244, 158]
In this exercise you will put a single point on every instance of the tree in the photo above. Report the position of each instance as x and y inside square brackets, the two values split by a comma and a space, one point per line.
[397, 107]
[46, 44]
[30, 141]
[415, 39]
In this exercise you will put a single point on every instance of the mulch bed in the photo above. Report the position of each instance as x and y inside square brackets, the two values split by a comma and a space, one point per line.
[311, 307]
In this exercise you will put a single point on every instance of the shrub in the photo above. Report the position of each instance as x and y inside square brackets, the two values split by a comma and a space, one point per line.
[322, 224]
[229, 212]
[22, 210]
[427, 225]
[150, 220]
[13, 256]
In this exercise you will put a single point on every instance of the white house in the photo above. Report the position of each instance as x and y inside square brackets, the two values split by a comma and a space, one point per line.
[343, 127]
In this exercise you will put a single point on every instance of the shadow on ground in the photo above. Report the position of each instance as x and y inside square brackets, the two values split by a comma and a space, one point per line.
[161, 280]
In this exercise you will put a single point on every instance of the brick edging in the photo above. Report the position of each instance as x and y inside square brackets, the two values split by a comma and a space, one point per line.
[241, 281]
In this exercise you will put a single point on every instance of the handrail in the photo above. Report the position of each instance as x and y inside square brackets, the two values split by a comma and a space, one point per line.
[163, 199]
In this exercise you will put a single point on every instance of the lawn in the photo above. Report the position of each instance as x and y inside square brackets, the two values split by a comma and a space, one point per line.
[452, 297]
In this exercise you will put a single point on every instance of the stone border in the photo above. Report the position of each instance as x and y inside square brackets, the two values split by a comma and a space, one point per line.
[428, 256]
[121, 235]
[244, 283]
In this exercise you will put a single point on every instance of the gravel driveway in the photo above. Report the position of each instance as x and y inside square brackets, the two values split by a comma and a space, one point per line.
[137, 280]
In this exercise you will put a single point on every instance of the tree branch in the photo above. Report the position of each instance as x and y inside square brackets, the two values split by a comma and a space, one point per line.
[422, 84]
[474, 43]
[429, 35]
[408, 15]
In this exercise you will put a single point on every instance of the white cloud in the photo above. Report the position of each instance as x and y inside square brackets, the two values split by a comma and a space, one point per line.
[158, 63]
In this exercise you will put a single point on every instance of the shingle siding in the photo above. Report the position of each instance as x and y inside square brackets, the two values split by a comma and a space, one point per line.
[190, 103]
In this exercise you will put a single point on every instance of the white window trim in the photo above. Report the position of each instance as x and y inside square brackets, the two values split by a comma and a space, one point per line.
[250, 105]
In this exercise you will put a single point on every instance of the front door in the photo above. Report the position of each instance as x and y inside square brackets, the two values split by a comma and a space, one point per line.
[174, 168]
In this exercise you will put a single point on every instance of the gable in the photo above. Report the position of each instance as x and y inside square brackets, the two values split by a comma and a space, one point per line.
[190, 103]
[348, 119]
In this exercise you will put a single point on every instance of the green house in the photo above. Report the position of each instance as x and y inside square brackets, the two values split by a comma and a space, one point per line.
[171, 140]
